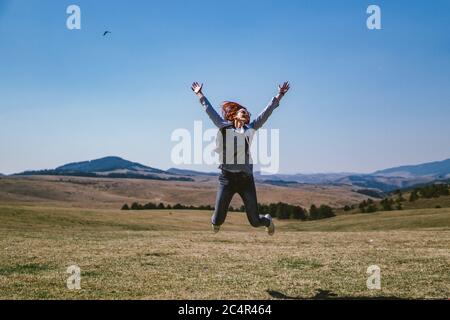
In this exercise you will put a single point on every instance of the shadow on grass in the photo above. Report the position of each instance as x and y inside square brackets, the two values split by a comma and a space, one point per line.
[327, 295]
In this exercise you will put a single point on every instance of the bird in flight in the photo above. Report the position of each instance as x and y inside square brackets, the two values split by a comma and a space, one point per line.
[106, 32]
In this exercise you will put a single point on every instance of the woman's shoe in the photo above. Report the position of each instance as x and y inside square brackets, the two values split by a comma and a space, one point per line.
[271, 228]
[215, 228]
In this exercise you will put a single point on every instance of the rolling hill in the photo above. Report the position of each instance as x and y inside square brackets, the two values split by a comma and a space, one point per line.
[107, 164]
[105, 192]
[384, 183]
[384, 180]
[111, 167]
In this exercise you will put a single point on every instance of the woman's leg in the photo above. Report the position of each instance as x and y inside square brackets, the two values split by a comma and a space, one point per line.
[224, 195]
[247, 191]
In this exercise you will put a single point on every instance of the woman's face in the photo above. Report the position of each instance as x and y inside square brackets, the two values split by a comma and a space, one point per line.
[243, 115]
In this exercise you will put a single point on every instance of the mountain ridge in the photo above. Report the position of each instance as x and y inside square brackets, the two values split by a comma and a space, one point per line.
[105, 164]
[385, 180]
[187, 172]
[436, 168]
[109, 167]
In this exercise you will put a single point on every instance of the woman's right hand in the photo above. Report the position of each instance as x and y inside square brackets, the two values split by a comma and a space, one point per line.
[197, 88]
[282, 89]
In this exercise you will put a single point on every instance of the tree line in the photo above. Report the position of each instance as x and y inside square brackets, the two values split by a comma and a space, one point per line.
[429, 191]
[395, 202]
[278, 210]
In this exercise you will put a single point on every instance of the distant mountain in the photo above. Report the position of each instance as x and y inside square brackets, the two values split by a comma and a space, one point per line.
[437, 169]
[110, 167]
[313, 178]
[107, 164]
[281, 183]
[191, 173]
[366, 181]
[381, 181]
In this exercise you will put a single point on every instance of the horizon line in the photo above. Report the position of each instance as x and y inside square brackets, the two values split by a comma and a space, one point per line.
[257, 171]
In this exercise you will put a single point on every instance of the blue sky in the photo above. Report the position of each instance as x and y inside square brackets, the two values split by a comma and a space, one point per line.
[361, 99]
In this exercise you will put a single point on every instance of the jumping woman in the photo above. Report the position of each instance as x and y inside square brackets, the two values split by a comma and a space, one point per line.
[236, 176]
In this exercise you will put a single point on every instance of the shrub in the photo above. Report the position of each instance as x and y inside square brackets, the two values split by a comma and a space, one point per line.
[278, 210]
[322, 212]
[413, 196]
[178, 206]
[136, 206]
[387, 204]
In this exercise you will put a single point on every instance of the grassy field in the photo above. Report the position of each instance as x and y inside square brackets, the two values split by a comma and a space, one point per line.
[173, 255]
[113, 193]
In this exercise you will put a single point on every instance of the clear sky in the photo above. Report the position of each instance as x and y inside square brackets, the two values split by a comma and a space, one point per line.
[360, 99]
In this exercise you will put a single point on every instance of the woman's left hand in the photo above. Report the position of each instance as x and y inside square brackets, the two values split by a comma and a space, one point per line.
[282, 89]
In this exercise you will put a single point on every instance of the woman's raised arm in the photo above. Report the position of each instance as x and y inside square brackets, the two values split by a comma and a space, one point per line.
[197, 88]
[212, 113]
[274, 103]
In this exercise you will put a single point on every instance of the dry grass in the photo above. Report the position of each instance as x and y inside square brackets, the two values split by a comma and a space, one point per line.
[113, 193]
[173, 255]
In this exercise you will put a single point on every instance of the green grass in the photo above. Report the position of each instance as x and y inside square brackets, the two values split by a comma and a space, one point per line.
[158, 255]
[421, 219]
[295, 263]
[423, 203]
[29, 268]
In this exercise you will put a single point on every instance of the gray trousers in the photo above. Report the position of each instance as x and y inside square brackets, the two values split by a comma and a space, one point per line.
[243, 184]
